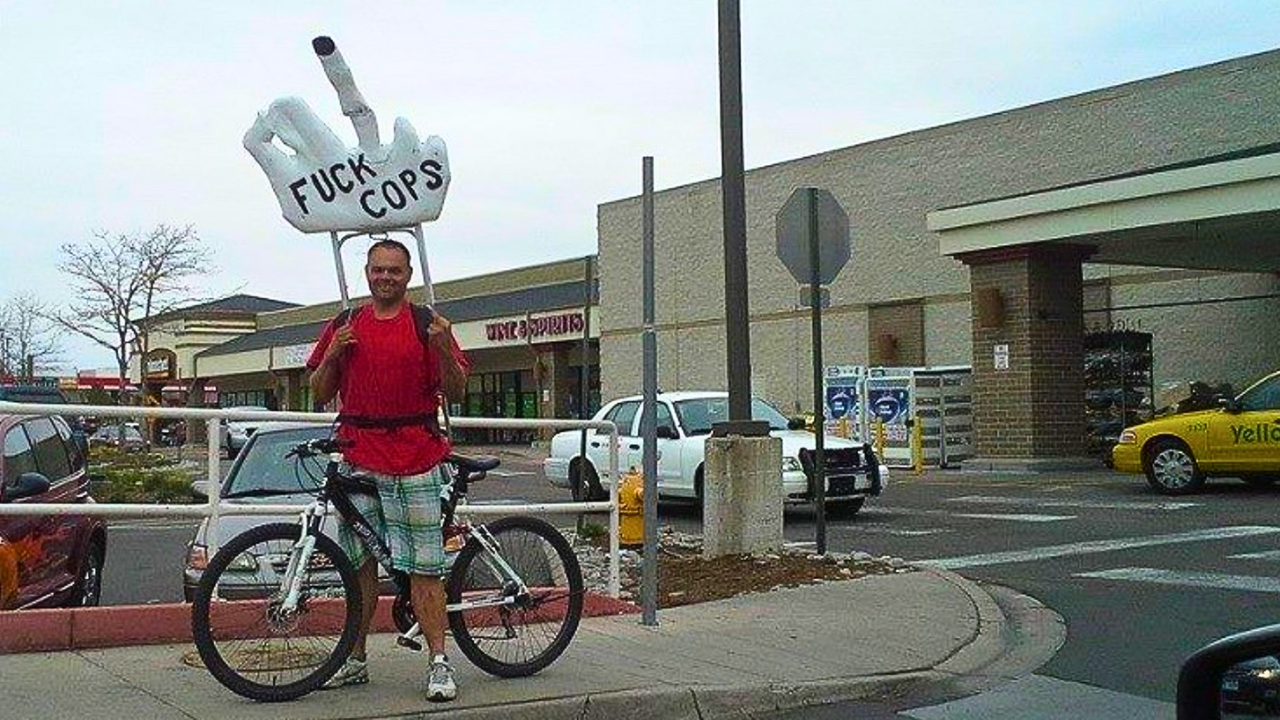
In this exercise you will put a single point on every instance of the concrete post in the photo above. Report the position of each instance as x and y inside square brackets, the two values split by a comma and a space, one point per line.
[742, 496]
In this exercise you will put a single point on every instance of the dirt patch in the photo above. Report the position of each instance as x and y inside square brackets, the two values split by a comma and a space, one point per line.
[685, 577]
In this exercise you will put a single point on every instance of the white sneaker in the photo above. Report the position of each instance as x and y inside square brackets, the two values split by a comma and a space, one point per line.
[352, 672]
[440, 684]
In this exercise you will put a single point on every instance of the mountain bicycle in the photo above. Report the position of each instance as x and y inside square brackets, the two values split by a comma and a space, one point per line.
[277, 611]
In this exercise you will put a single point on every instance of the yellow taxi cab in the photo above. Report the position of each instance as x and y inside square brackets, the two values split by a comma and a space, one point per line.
[1240, 439]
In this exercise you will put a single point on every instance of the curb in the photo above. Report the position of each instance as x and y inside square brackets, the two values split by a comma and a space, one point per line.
[988, 648]
[26, 631]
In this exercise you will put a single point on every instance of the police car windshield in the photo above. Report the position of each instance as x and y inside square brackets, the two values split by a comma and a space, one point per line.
[699, 414]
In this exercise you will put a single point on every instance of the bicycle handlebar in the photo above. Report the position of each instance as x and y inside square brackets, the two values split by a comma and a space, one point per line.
[317, 446]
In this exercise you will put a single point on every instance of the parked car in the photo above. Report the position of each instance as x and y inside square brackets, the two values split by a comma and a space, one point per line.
[46, 395]
[1241, 438]
[47, 560]
[684, 424]
[121, 437]
[236, 433]
[261, 474]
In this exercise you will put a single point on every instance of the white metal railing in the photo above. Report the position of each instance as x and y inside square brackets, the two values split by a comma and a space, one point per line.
[216, 508]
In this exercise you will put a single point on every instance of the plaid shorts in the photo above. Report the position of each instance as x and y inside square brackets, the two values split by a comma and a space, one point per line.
[406, 515]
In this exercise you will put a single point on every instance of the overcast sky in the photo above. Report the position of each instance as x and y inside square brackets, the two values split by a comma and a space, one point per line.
[118, 116]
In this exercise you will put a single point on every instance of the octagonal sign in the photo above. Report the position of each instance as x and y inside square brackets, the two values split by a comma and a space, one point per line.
[793, 228]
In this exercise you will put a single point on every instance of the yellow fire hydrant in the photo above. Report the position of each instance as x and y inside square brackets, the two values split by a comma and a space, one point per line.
[631, 508]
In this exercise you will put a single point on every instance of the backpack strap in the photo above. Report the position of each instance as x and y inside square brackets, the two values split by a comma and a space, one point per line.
[422, 317]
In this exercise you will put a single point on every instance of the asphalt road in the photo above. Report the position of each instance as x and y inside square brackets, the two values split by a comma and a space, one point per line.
[1142, 580]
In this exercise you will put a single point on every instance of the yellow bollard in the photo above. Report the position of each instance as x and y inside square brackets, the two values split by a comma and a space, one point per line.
[917, 445]
[631, 508]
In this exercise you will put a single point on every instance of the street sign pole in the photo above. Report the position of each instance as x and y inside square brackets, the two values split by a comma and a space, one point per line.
[649, 416]
[819, 411]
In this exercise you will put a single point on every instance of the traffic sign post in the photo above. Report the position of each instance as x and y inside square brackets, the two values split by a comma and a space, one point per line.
[813, 243]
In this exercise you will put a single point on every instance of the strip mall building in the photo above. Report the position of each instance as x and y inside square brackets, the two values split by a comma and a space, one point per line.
[995, 243]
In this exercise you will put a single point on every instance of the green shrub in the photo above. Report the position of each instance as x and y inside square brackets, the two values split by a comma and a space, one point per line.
[137, 478]
[591, 531]
[153, 486]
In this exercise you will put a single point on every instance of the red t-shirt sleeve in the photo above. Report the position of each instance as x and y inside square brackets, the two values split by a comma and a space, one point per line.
[322, 346]
[433, 364]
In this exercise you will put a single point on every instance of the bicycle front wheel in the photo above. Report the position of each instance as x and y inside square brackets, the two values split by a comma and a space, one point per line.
[502, 629]
[249, 641]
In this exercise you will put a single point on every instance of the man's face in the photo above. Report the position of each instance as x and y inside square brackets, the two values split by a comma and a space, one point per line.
[388, 274]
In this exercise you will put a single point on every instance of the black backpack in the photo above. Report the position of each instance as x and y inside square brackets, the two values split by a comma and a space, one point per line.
[422, 317]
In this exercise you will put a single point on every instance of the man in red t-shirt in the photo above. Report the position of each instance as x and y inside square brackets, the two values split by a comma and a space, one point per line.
[388, 384]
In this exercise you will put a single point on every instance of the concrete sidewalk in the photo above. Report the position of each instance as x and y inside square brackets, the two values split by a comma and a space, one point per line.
[865, 638]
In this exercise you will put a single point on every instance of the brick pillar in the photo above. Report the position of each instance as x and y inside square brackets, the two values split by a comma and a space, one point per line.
[1031, 415]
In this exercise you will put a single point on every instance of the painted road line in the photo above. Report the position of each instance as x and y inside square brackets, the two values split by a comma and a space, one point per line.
[1091, 504]
[1265, 555]
[883, 529]
[1182, 578]
[1098, 546]
[188, 524]
[1015, 517]
[1037, 697]
[509, 473]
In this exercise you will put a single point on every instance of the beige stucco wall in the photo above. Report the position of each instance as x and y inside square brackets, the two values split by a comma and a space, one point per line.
[887, 187]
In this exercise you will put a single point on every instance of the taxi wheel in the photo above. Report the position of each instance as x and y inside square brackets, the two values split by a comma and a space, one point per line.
[1171, 468]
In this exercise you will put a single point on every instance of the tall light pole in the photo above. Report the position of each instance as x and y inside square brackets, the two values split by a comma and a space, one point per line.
[733, 193]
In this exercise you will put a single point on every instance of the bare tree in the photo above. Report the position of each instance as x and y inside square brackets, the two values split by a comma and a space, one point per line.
[28, 345]
[122, 280]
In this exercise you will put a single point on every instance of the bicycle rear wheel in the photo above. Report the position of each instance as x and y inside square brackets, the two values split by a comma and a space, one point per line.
[248, 641]
[512, 633]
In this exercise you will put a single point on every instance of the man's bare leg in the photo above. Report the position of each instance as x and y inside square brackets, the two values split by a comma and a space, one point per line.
[367, 576]
[428, 605]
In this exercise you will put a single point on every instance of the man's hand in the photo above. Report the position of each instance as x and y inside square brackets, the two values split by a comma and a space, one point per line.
[323, 185]
[342, 339]
[453, 380]
[440, 331]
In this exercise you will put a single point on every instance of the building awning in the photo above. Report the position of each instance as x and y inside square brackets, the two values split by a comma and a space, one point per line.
[1217, 214]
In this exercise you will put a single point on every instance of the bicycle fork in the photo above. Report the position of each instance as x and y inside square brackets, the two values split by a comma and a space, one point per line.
[300, 558]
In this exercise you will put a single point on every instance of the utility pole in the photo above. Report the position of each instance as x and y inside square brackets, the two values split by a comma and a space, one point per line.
[733, 193]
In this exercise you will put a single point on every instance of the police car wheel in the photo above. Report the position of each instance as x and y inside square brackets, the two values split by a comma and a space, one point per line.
[1171, 469]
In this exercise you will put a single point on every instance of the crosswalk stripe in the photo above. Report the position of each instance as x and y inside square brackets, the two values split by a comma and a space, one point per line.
[1016, 517]
[1265, 555]
[1091, 504]
[1098, 546]
[1188, 578]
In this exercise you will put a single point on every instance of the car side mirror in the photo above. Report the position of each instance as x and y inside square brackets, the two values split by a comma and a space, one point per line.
[796, 423]
[1234, 672]
[1229, 404]
[29, 484]
[200, 489]
[666, 432]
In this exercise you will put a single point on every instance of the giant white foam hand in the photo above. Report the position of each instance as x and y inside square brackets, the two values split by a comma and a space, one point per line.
[326, 186]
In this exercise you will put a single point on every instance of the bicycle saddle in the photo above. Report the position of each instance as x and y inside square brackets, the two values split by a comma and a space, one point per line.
[474, 463]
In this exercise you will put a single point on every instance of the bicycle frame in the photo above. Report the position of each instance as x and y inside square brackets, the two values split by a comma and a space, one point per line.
[310, 522]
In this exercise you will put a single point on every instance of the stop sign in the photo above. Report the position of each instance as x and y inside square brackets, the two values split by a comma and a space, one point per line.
[794, 229]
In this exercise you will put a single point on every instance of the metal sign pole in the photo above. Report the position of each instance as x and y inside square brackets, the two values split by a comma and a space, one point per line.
[429, 289]
[819, 412]
[649, 418]
[337, 263]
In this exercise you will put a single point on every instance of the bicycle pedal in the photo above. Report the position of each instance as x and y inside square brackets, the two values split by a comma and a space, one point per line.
[409, 644]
